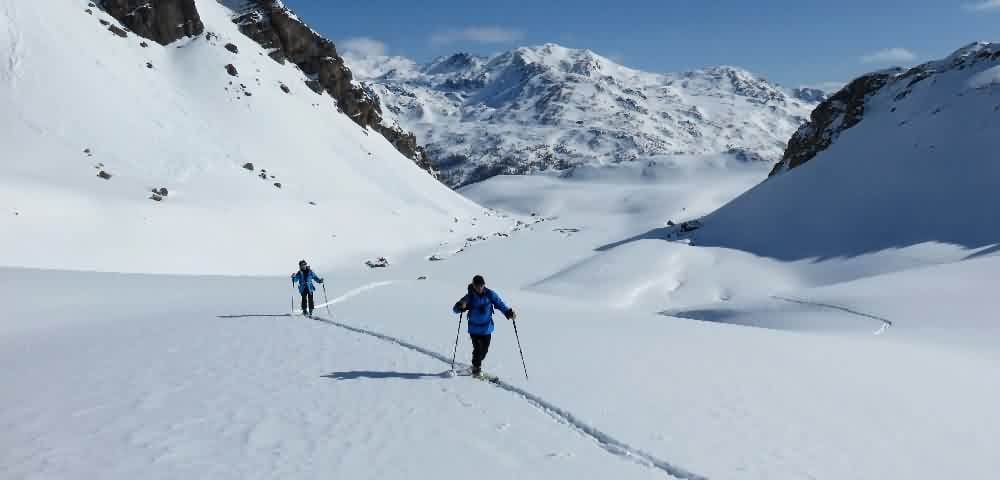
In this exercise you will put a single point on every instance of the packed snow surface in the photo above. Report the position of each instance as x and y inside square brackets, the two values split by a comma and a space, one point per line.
[649, 352]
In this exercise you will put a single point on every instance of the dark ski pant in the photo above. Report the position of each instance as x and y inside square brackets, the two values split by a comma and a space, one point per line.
[307, 298]
[480, 345]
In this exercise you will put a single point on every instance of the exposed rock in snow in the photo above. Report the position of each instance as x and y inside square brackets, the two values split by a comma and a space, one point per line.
[896, 159]
[163, 21]
[847, 108]
[275, 27]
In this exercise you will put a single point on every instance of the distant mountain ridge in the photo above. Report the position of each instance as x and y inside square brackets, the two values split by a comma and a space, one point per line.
[549, 107]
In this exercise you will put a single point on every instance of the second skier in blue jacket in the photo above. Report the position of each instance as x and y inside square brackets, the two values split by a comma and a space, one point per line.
[479, 302]
[304, 278]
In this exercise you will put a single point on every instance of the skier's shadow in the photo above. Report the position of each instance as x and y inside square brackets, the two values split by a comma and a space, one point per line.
[363, 374]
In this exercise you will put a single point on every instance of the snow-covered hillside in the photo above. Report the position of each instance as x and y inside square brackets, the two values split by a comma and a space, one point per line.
[642, 357]
[255, 165]
[551, 107]
[897, 158]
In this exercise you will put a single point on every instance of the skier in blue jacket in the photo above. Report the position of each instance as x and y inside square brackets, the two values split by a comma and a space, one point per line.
[479, 302]
[304, 278]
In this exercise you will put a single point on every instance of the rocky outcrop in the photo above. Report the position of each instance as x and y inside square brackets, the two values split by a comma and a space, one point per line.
[847, 108]
[162, 21]
[838, 113]
[276, 28]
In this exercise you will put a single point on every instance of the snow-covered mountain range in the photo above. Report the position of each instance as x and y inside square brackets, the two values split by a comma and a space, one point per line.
[550, 107]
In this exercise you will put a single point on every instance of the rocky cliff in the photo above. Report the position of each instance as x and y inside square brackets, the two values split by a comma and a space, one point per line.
[162, 21]
[888, 88]
[275, 27]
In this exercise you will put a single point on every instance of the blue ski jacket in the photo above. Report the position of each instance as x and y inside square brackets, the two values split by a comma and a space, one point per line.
[305, 280]
[480, 309]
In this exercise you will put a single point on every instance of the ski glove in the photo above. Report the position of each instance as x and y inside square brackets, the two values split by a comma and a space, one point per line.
[510, 314]
[320, 280]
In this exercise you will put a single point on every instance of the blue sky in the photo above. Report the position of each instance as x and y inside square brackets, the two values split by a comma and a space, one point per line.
[791, 42]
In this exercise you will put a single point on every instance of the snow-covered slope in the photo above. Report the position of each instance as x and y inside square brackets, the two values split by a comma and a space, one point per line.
[551, 107]
[76, 99]
[897, 158]
[123, 376]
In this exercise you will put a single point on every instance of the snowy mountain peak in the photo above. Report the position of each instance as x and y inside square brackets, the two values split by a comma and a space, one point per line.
[547, 106]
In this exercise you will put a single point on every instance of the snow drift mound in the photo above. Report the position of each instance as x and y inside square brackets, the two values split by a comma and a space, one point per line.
[896, 158]
[204, 155]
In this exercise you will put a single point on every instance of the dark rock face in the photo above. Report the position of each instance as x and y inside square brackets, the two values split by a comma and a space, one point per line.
[838, 113]
[275, 27]
[846, 108]
[115, 29]
[232, 48]
[162, 21]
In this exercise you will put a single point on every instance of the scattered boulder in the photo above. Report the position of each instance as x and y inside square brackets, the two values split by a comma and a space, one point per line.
[381, 262]
[162, 21]
[115, 29]
[690, 226]
[277, 184]
[231, 70]
[143, 44]
[284, 88]
[248, 166]
[156, 197]
[104, 175]
[312, 203]
[89, 11]
[211, 36]
[232, 48]
[149, 65]
[104, 22]
[88, 152]
[422, 277]
[161, 191]
[435, 258]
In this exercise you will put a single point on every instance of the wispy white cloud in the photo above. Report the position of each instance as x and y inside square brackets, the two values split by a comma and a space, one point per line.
[362, 47]
[983, 6]
[890, 55]
[476, 35]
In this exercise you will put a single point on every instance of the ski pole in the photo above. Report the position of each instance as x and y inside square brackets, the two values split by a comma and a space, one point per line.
[457, 332]
[327, 300]
[519, 349]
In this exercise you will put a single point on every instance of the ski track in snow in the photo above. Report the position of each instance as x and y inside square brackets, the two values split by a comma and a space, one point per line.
[605, 441]
[886, 323]
[356, 292]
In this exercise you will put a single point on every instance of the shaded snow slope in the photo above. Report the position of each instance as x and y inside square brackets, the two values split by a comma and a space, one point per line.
[76, 100]
[921, 165]
[550, 107]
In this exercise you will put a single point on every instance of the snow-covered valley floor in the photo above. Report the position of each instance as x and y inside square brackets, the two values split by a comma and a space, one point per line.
[646, 358]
